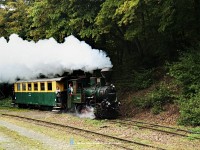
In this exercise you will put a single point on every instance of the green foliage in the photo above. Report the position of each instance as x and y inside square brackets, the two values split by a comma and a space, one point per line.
[127, 9]
[149, 30]
[135, 80]
[190, 110]
[141, 79]
[156, 99]
[5, 102]
[3, 31]
[14, 19]
[167, 15]
[186, 72]
[58, 20]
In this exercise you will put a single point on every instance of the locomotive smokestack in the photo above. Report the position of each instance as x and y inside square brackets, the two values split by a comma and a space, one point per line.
[106, 73]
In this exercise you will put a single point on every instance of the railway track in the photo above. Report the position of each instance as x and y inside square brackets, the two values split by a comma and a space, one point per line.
[125, 141]
[156, 127]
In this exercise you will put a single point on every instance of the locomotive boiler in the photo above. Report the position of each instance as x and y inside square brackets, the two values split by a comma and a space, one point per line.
[102, 96]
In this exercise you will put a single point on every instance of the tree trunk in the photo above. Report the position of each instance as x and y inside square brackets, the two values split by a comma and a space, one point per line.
[196, 14]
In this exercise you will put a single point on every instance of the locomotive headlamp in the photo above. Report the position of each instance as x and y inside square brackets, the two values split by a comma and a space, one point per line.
[112, 85]
[107, 104]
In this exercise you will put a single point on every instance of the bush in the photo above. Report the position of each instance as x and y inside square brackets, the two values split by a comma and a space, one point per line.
[135, 80]
[186, 72]
[156, 99]
[142, 79]
[190, 111]
[5, 102]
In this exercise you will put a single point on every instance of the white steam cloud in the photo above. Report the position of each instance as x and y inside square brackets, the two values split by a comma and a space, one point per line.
[86, 112]
[24, 59]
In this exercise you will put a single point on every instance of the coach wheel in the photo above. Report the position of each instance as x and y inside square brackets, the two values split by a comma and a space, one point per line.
[22, 106]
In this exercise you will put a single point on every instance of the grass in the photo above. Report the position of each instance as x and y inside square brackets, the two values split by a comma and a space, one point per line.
[97, 123]
[22, 140]
[194, 136]
[63, 135]
[6, 102]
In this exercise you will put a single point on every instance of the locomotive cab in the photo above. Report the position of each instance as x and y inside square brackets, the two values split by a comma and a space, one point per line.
[101, 95]
[75, 95]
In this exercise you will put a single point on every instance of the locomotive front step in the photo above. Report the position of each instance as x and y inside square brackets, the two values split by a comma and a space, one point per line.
[56, 109]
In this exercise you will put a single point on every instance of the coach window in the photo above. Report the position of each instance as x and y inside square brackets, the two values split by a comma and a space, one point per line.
[29, 87]
[18, 87]
[42, 86]
[23, 86]
[49, 86]
[35, 87]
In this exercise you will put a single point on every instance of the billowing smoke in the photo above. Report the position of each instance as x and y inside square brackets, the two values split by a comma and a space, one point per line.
[86, 112]
[24, 59]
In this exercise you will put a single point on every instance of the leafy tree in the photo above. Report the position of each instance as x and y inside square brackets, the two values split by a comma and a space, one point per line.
[3, 32]
[58, 20]
[14, 18]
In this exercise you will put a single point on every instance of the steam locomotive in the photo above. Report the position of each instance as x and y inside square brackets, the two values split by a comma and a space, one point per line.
[96, 92]
[102, 96]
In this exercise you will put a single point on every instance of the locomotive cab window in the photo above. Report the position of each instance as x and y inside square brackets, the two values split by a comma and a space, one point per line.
[24, 86]
[29, 87]
[35, 87]
[79, 88]
[49, 86]
[18, 87]
[42, 87]
[70, 87]
[101, 92]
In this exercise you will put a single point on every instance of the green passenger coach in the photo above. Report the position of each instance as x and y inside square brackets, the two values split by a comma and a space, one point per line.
[41, 92]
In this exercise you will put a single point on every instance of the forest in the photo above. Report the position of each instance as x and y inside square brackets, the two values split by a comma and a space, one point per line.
[150, 43]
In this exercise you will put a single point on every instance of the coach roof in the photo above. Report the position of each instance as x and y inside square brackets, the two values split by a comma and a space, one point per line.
[42, 80]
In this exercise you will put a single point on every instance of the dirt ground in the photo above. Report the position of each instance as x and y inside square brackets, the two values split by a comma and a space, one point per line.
[168, 117]
[162, 140]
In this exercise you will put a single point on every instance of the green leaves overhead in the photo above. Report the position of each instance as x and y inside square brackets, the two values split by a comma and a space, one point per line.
[127, 10]
[67, 17]
[167, 15]
[14, 18]
[144, 27]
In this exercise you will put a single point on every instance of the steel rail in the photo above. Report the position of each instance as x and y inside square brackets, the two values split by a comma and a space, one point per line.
[130, 123]
[83, 130]
[158, 125]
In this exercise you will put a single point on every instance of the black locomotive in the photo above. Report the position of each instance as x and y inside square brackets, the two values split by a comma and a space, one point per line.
[102, 95]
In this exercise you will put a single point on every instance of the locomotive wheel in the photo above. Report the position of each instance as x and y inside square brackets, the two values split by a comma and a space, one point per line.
[98, 112]
[112, 114]
[79, 108]
[101, 113]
